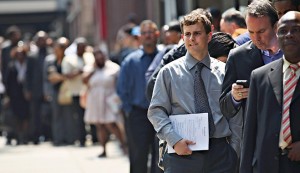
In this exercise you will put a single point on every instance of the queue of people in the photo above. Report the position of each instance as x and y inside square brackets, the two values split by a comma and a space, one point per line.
[241, 71]
[253, 128]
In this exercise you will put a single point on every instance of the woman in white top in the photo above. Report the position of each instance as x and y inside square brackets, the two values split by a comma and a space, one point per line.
[102, 102]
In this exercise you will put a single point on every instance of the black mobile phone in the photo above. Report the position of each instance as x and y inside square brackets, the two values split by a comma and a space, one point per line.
[243, 82]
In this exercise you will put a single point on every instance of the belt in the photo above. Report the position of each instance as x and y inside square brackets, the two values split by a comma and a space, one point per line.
[284, 151]
[214, 141]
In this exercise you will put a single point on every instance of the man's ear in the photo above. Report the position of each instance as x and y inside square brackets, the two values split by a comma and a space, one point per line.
[157, 33]
[209, 36]
[212, 28]
[275, 27]
[234, 25]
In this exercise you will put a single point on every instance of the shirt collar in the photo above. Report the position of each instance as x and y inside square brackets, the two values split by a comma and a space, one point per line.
[151, 54]
[286, 64]
[191, 61]
[267, 53]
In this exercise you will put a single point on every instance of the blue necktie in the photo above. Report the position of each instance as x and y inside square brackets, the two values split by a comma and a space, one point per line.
[201, 100]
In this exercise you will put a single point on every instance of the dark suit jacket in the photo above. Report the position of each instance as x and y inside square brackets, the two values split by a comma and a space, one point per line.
[34, 74]
[15, 91]
[5, 60]
[241, 61]
[260, 151]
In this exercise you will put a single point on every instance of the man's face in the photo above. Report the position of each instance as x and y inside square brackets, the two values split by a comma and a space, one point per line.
[15, 38]
[196, 40]
[99, 59]
[42, 42]
[81, 49]
[261, 31]
[226, 27]
[284, 6]
[289, 36]
[172, 37]
[149, 36]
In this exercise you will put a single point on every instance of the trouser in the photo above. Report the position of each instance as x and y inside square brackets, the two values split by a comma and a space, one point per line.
[58, 122]
[220, 158]
[286, 165]
[35, 122]
[141, 137]
[78, 113]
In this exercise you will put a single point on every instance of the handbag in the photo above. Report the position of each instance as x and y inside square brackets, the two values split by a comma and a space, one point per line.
[114, 102]
[64, 94]
[83, 97]
[161, 153]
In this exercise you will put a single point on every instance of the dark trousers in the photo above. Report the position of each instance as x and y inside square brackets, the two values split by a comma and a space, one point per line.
[220, 158]
[9, 124]
[70, 125]
[78, 113]
[286, 165]
[57, 123]
[35, 120]
[141, 137]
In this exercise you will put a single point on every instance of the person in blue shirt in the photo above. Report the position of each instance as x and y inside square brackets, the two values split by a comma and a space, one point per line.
[131, 88]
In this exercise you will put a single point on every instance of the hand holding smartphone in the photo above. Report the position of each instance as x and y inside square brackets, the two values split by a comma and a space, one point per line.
[243, 82]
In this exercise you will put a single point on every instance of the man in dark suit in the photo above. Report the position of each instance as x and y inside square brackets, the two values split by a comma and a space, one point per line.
[14, 36]
[34, 87]
[261, 19]
[272, 133]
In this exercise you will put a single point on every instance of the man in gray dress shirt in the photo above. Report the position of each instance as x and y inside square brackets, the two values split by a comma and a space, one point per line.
[174, 94]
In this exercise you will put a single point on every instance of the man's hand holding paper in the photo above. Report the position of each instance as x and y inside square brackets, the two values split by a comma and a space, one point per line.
[194, 130]
[182, 147]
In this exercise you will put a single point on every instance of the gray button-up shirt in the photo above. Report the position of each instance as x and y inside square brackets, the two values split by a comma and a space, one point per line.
[173, 94]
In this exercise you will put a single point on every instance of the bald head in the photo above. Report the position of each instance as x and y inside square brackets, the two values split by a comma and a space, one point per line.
[62, 42]
[283, 6]
[288, 31]
[291, 15]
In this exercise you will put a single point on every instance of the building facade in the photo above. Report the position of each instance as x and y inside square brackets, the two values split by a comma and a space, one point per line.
[97, 20]
[34, 15]
[110, 15]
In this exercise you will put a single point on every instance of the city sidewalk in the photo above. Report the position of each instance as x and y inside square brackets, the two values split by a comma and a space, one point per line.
[45, 158]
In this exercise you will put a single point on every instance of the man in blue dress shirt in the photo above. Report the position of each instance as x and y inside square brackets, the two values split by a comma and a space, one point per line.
[131, 89]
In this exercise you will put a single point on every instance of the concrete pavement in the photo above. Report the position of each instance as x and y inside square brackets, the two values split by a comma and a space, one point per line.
[45, 158]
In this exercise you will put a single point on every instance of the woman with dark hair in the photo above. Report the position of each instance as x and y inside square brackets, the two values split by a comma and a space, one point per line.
[220, 45]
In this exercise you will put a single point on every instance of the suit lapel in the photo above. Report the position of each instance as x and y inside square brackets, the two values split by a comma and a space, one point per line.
[275, 76]
[297, 91]
[256, 57]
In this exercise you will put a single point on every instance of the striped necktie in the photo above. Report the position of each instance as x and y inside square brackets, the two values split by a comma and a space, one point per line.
[288, 90]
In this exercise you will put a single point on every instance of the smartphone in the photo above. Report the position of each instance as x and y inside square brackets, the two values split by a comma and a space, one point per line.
[243, 82]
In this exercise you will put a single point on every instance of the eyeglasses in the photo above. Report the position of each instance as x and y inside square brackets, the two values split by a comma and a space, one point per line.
[147, 32]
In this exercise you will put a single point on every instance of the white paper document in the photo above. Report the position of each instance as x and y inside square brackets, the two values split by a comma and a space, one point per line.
[193, 127]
